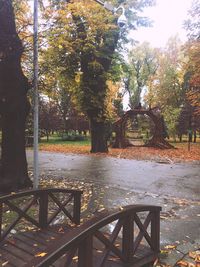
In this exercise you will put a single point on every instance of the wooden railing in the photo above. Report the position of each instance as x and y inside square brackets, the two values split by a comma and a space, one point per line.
[33, 207]
[136, 230]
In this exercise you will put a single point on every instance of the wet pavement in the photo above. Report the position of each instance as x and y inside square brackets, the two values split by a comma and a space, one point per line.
[117, 182]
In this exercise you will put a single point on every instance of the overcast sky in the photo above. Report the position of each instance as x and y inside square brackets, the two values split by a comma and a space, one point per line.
[168, 17]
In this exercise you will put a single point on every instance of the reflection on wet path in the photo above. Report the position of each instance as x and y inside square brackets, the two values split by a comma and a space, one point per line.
[110, 182]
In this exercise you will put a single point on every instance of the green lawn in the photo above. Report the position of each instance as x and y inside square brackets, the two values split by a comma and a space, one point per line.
[56, 140]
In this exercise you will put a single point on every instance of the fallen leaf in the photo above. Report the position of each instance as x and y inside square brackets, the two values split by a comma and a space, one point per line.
[181, 152]
[170, 247]
[192, 255]
[41, 254]
[182, 264]
[75, 258]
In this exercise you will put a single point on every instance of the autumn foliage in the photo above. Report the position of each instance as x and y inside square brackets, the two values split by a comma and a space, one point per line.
[139, 153]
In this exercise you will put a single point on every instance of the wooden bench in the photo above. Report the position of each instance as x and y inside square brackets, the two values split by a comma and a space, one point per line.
[128, 236]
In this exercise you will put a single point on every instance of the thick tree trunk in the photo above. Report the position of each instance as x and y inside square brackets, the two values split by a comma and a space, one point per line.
[98, 137]
[14, 105]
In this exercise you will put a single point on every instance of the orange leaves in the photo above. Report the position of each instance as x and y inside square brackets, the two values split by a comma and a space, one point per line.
[192, 259]
[182, 264]
[140, 153]
[66, 148]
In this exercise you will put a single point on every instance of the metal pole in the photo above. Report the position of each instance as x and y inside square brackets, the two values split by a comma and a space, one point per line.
[106, 5]
[36, 95]
[100, 2]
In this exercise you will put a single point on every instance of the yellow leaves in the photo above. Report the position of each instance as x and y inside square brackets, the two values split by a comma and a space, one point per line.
[170, 247]
[112, 94]
[195, 255]
[75, 258]
[41, 254]
[192, 255]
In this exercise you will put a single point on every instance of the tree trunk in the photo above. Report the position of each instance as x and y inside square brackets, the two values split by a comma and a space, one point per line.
[190, 136]
[195, 136]
[14, 106]
[98, 137]
[47, 135]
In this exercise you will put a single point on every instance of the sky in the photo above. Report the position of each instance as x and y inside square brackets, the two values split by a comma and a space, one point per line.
[168, 17]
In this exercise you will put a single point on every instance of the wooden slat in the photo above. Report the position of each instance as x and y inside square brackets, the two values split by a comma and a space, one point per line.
[36, 238]
[31, 250]
[143, 254]
[15, 261]
[17, 252]
[31, 243]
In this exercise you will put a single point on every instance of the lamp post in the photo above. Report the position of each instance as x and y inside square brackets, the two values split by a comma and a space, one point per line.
[36, 96]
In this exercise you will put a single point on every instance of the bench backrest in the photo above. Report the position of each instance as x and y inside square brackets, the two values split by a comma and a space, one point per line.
[33, 206]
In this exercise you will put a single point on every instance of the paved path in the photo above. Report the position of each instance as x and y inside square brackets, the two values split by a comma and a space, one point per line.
[179, 180]
[176, 187]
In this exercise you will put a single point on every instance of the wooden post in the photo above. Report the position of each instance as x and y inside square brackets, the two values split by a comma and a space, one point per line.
[155, 230]
[43, 209]
[127, 239]
[85, 253]
[1, 218]
[77, 207]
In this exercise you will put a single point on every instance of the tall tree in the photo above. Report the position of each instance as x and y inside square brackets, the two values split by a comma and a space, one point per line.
[14, 105]
[190, 114]
[85, 37]
[141, 67]
[165, 88]
[192, 49]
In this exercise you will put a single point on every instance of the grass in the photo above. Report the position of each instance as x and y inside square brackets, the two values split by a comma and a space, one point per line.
[56, 140]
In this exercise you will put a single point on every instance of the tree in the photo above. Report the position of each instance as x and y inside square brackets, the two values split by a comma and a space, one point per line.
[165, 88]
[191, 109]
[192, 23]
[14, 105]
[49, 117]
[85, 38]
[142, 66]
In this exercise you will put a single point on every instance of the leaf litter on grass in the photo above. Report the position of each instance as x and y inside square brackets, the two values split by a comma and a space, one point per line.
[167, 156]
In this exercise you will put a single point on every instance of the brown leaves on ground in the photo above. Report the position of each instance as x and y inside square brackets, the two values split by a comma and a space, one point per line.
[192, 259]
[179, 154]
